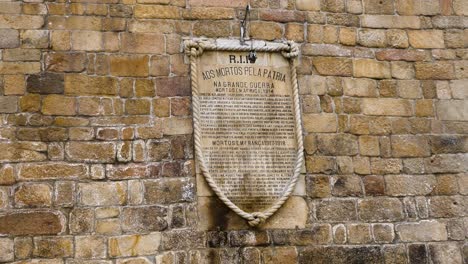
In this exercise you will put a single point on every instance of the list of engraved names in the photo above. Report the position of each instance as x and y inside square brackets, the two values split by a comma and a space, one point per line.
[247, 125]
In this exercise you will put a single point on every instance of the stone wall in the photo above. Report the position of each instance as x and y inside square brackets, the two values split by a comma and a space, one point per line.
[96, 154]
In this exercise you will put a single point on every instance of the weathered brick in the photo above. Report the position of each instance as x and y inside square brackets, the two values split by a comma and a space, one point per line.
[129, 65]
[102, 193]
[31, 223]
[425, 230]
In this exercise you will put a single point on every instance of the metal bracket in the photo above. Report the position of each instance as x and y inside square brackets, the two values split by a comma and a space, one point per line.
[243, 25]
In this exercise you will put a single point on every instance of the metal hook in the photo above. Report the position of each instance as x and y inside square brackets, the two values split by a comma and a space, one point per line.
[243, 25]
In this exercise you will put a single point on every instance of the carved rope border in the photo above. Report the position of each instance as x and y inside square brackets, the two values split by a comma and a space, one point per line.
[195, 48]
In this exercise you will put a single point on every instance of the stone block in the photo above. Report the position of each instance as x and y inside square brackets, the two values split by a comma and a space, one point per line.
[22, 152]
[6, 249]
[386, 107]
[90, 247]
[77, 84]
[144, 219]
[286, 255]
[448, 206]
[52, 171]
[440, 70]
[448, 144]
[374, 38]
[102, 193]
[14, 85]
[417, 7]
[45, 83]
[371, 69]
[266, 30]
[452, 110]
[403, 55]
[308, 5]
[383, 233]
[359, 233]
[58, 105]
[445, 253]
[177, 126]
[390, 21]
[341, 254]
[31, 223]
[333, 66]
[378, 7]
[386, 166]
[410, 146]
[337, 210]
[142, 43]
[65, 62]
[425, 230]
[409, 185]
[81, 220]
[134, 245]
[10, 38]
[337, 145]
[91, 152]
[320, 123]
[169, 191]
[157, 11]
[360, 87]
[8, 104]
[380, 209]
[33, 195]
[53, 247]
[129, 65]
[446, 163]
[426, 39]
[346, 185]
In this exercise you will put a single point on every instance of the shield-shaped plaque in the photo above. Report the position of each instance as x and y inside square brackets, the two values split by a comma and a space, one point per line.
[247, 126]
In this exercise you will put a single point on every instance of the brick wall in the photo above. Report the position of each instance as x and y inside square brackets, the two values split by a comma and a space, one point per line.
[96, 154]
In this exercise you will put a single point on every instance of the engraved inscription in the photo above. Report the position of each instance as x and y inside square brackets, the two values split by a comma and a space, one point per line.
[247, 125]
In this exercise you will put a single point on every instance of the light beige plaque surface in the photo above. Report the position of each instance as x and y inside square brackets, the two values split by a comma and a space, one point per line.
[247, 125]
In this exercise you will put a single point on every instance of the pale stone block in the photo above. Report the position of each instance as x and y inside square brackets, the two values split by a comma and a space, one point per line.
[425, 230]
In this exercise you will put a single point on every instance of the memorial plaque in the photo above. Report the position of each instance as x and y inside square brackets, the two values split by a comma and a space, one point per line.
[247, 125]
